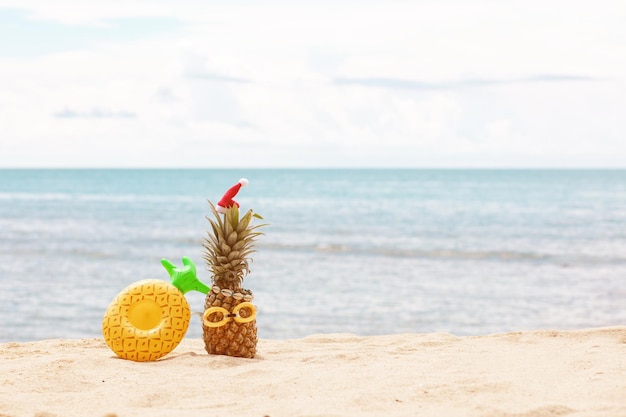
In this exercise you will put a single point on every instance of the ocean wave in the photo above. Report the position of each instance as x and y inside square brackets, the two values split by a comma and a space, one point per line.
[447, 254]
[94, 197]
[406, 253]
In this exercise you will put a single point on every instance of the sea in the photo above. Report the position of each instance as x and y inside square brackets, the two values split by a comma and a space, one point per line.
[361, 251]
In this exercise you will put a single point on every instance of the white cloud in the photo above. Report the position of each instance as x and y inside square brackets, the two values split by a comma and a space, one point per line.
[328, 83]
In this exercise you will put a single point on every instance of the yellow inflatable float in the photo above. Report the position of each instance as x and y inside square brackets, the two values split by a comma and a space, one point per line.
[149, 318]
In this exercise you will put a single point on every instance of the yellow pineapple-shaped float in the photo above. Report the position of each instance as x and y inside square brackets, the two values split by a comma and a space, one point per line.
[149, 318]
[229, 324]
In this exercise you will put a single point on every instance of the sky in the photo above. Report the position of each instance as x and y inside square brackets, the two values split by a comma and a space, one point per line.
[280, 84]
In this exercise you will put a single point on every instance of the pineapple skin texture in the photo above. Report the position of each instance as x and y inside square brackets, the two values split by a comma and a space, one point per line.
[227, 253]
[232, 339]
[142, 345]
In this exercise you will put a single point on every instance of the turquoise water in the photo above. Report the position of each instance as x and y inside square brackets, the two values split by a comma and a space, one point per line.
[358, 251]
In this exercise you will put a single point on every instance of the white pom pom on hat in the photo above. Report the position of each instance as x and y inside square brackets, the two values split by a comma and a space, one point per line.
[227, 200]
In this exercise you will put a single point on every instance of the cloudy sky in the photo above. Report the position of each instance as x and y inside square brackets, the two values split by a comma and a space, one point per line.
[422, 83]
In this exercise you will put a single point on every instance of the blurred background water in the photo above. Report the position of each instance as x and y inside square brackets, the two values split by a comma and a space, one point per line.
[359, 251]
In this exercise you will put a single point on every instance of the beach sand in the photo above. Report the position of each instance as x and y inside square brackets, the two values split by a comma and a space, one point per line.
[522, 374]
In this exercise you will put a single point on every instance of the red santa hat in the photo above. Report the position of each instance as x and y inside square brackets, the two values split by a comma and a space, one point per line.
[227, 201]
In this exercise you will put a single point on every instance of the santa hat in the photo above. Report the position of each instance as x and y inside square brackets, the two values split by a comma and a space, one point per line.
[227, 201]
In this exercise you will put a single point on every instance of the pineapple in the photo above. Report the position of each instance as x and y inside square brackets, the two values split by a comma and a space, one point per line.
[229, 329]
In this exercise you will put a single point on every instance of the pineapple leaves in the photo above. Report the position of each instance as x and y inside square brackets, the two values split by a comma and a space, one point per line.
[232, 238]
[217, 216]
[229, 244]
[231, 218]
[244, 221]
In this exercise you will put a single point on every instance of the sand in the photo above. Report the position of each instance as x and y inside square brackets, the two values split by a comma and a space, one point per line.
[524, 374]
